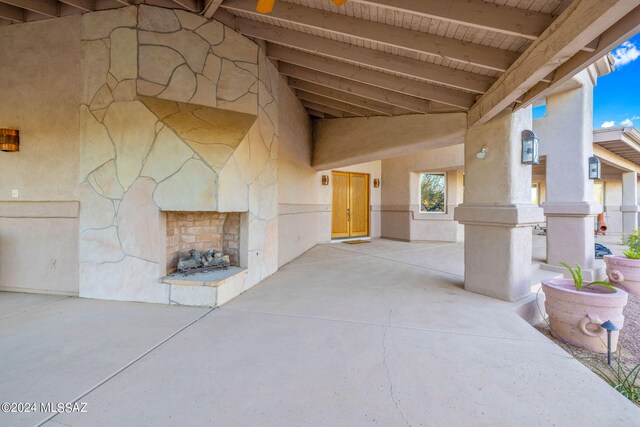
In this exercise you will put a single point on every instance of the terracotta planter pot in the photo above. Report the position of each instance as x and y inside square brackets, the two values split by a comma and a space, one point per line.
[576, 316]
[624, 272]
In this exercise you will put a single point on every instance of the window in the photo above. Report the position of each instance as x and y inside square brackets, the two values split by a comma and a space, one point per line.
[535, 193]
[433, 192]
[598, 193]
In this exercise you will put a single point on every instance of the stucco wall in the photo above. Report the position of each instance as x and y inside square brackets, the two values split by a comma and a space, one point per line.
[38, 241]
[127, 113]
[401, 216]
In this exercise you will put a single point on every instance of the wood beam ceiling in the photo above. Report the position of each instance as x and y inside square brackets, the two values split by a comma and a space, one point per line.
[11, 13]
[473, 13]
[338, 105]
[578, 25]
[623, 30]
[380, 79]
[403, 38]
[322, 108]
[406, 102]
[44, 7]
[385, 61]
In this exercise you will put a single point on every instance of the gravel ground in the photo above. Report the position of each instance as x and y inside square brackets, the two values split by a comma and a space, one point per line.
[629, 340]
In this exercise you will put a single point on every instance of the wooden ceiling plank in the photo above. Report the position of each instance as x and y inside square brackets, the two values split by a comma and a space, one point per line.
[323, 108]
[372, 77]
[345, 97]
[621, 31]
[338, 105]
[190, 5]
[438, 74]
[211, 8]
[316, 113]
[577, 26]
[473, 13]
[84, 5]
[43, 7]
[370, 92]
[11, 13]
[470, 53]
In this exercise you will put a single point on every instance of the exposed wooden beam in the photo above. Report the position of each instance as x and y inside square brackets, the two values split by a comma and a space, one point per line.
[371, 92]
[227, 18]
[124, 2]
[211, 7]
[403, 38]
[621, 31]
[372, 77]
[316, 113]
[322, 108]
[338, 105]
[190, 5]
[11, 12]
[43, 7]
[473, 13]
[578, 25]
[349, 98]
[84, 5]
[385, 61]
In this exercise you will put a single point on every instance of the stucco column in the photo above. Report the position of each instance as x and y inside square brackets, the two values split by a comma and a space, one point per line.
[566, 138]
[497, 212]
[629, 206]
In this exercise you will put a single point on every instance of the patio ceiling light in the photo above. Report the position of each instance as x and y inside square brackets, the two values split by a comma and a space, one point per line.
[595, 168]
[530, 154]
[9, 140]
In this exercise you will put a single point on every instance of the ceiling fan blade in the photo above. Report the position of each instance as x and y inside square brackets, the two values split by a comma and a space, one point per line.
[265, 6]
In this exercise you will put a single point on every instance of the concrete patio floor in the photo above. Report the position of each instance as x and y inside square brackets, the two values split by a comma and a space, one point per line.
[346, 335]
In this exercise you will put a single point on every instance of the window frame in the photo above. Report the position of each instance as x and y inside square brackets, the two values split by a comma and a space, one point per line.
[420, 207]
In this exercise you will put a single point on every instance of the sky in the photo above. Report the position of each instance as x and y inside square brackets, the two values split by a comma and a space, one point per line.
[617, 95]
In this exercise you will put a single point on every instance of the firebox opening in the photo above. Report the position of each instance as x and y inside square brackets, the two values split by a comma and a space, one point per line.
[215, 234]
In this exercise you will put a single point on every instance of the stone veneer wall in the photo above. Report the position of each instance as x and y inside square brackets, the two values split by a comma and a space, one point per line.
[202, 231]
[178, 113]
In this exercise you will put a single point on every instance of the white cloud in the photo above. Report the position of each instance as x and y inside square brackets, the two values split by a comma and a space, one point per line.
[608, 124]
[626, 123]
[625, 54]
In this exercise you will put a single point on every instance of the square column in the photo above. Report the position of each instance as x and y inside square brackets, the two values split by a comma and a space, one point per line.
[566, 138]
[497, 212]
[629, 206]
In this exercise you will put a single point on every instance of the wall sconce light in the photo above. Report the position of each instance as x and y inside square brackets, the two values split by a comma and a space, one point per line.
[482, 154]
[376, 183]
[595, 168]
[9, 140]
[530, 155]
[325, 179]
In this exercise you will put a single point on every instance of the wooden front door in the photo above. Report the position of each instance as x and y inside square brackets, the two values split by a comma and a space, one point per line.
[350, 205]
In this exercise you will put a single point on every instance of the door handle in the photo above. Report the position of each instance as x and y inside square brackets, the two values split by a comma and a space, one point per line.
[348, 215]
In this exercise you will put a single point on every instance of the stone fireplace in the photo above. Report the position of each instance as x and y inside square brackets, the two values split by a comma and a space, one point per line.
[202, 231]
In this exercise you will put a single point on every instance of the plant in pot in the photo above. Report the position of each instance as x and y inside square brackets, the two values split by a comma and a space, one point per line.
[624, 270]
[577, 308]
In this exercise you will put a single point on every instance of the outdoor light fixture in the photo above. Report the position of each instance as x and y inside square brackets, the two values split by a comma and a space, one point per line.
[482, 154]
[376, 183]
[530, 155]
[595, 168]
[325, 179]
[610, 327]
[9, 140]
